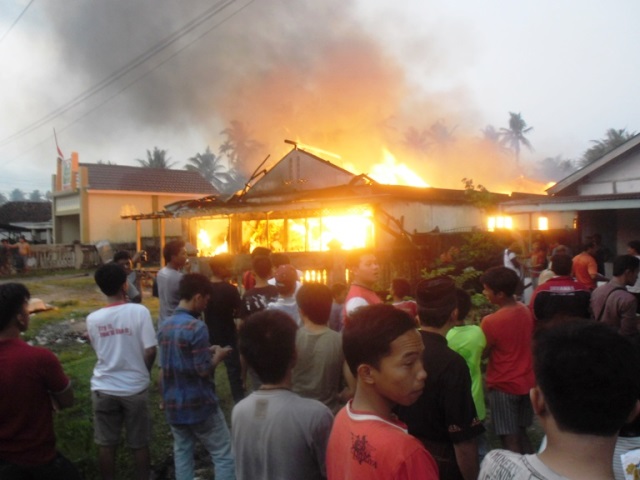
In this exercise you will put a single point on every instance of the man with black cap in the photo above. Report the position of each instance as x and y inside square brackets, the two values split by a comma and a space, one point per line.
[444, 418]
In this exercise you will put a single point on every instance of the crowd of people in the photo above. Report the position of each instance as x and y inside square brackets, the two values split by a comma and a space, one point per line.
[331, 382]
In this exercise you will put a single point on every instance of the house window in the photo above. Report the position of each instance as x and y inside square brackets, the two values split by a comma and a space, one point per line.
[348, 230]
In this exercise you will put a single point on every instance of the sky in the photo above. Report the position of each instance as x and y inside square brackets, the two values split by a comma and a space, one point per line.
[118, 78]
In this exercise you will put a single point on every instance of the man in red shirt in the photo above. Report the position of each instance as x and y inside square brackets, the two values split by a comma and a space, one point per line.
[384, 352]
[32, 385]
[585, 267]
[510, 370]
[365, 273]
[561, 295]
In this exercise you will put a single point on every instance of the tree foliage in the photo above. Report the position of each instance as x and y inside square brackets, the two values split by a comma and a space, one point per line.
[554, 168]
[35, 196]
[212, 168]
[613, 138]
[156, 159]
[239, 147]
[3, 198]
[17, 195]
[514, 136]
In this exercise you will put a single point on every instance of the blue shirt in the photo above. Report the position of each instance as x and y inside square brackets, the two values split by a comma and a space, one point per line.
[188, 397]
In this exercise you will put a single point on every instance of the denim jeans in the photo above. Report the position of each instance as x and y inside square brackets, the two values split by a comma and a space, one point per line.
[214, 435]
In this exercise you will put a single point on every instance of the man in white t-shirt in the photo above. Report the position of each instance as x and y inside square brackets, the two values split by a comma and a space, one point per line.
[587, 389]
[124, 340]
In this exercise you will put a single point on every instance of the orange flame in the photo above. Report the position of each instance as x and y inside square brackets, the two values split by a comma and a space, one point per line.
[390, 172]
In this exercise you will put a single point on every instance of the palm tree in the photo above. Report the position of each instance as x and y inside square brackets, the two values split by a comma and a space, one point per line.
[156, 159]
[210, 167]
[239, 147]
[417, 140]
[441, 136]
[613, 138]
[514, 136]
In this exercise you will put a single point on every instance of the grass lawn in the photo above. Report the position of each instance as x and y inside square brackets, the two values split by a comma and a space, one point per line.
[75, 296]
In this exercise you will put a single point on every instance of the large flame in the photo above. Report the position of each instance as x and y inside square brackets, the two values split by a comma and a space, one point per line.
[390, 172]
[343, 229]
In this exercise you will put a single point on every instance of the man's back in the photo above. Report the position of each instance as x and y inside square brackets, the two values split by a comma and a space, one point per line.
[509, 332]
[119, 334]
[585, 268]
[560, 295]
[257, 299]
[185, 359]
[168, 281]
[318, 370]
[469, 342]
[280, 435]
[445, 412]
[613, 305]
[503, 464]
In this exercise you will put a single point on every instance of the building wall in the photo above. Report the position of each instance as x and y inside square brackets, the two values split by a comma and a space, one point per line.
[622, 176]
[424, 218]
[104, 222]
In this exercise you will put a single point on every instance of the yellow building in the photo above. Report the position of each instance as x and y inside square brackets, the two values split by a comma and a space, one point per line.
[89, 200]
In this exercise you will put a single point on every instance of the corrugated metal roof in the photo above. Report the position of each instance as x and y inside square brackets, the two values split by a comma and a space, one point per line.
[575, 198]
[139, 179]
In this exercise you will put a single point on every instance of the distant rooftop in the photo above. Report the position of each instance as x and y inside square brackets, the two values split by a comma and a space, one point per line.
[142, 179]
[16, 212]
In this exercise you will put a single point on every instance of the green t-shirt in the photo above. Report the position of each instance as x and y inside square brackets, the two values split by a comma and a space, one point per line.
[469, 342]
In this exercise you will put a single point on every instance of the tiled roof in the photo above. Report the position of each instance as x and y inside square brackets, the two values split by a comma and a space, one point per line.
[139, 179]
[12, 212]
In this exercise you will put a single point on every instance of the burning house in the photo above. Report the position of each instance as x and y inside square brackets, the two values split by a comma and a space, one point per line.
[313, 210]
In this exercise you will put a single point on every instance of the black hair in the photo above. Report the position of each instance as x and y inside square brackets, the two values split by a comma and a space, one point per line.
[260, 251]
[121, 255]
[338, 289]
[110, 278]
[315, 300]
[589, 244]
[561, 264]
[193, 283]
[278, 259]
[622, 263]
[463, 300]
[588, 374]
[221, 265]
[368, 334]
[171, 249]
[500, 279]
[12, 298]
[262, 266]
[401, 287]
[267, 341]
[635, 245]
[436, 317]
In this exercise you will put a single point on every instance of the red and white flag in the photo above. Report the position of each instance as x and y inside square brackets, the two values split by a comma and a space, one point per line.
[60, 154]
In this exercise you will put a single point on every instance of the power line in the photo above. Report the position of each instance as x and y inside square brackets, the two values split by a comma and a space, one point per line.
[136, 62]
[108, 99]
[16, 20]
